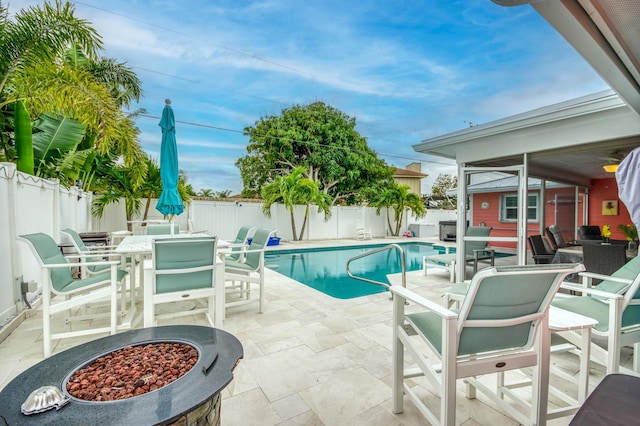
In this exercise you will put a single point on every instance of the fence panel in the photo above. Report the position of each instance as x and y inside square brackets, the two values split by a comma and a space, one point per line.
[29, 204]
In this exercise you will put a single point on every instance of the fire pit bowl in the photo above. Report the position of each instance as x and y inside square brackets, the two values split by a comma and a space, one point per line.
[199, 388]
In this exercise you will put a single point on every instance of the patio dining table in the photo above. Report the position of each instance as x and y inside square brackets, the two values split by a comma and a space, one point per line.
[139, 247]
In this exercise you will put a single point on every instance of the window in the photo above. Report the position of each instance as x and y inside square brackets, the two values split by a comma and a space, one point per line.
[509, 208]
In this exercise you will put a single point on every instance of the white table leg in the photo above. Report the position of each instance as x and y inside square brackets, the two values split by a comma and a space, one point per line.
[220, 294]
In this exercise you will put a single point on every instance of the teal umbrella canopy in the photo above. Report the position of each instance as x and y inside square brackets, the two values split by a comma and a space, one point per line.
[170, 202]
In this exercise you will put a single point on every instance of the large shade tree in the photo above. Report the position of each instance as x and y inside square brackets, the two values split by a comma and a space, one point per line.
[320, 139]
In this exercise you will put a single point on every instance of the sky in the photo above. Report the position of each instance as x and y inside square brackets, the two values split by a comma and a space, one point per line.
[405, 70]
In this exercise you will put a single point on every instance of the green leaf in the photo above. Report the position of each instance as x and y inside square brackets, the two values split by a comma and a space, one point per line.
[24, 139]
[56, 137]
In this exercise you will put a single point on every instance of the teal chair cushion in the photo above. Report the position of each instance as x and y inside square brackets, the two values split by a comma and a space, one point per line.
[241, 238]
[497, 297]
[588, 306]
[184, 254]
[595, 307]
[162, 229]
[61, 279]
[84, 282]
[259, 242]
[50, 254]
[629, 271]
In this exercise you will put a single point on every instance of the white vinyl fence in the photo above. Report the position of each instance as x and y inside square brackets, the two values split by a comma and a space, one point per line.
[29, 204]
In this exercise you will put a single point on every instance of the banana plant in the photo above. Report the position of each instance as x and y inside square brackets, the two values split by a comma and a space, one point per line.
[23, 138]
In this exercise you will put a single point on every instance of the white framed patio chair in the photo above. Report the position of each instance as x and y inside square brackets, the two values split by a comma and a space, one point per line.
[248, 271]
[501, 326]
[162, 229]
[615, 304]
[90, 254]
[362, 233]
[235, 250]
[191, 229]
[475, 252]
[62, 293]
[182, 269]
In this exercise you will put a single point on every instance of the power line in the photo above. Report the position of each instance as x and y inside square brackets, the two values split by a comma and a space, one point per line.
[238, 52]
[224, 129]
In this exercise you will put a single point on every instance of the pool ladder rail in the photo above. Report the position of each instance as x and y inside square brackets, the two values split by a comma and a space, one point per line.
[378, 250]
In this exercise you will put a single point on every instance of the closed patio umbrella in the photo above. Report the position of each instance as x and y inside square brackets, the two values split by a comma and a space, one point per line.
[170, 202]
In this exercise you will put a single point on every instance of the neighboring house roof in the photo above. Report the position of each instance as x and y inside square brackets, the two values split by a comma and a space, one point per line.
[408, 174]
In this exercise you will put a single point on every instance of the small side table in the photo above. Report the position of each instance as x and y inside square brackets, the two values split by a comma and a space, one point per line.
[560, 322]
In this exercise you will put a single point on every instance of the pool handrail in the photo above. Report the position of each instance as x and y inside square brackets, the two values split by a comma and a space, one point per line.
[378, 250]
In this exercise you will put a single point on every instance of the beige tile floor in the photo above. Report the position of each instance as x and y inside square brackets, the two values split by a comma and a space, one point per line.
[310, 359]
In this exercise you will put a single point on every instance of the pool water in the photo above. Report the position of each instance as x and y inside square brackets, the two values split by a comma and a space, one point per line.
[325, 269]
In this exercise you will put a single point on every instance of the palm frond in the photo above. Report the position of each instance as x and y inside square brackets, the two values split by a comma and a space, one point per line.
[56, 136]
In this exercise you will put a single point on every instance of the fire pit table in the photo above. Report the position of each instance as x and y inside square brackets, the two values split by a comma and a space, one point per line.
[194, 398]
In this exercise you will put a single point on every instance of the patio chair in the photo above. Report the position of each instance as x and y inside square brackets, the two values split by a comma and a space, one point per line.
[555, 237]
[162, 229]
[247, 272]
[590, 234]
[539, 250]
[235, 250]
[89, 254]
[362, 233]
[56, 280]
[182, 269]
[475, 252]
[615, 304]
[192, 230]
[500, 327]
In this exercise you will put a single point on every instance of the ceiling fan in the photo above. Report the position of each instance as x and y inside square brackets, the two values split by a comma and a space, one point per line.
[612, 161]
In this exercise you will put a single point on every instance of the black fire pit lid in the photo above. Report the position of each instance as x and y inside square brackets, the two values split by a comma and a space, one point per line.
[162, 406]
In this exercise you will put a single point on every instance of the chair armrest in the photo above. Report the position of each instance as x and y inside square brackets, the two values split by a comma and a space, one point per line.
[425, 303]
[226, 250]
[590, 291]
[588, 277]
[605, 277]
[491, 253]
[101, 247]
[70, 265]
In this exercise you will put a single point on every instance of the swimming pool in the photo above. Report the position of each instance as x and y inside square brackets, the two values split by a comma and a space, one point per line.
[324, 269]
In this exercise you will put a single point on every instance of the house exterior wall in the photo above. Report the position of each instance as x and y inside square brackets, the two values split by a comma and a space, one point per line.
[414, 184]
[605, 190]
[602, 190]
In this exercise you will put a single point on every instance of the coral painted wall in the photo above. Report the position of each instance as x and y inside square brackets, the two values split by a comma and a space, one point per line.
[602, 190]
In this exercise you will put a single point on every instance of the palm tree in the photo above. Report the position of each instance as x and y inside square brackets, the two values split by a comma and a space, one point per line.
[294, 189]
[205, 193]
[398, 198]
[117, 184]
[35, 80]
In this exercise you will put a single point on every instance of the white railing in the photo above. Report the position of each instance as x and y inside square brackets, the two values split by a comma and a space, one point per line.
[29, 204]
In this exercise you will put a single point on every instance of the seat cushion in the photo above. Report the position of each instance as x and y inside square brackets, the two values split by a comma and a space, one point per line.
[87, 282]
[587, 306]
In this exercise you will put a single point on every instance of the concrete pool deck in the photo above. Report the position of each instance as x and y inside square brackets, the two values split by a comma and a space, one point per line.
[310, 359]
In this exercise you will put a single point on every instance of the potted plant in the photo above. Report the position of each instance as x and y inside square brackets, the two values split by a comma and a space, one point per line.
[631, 234]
